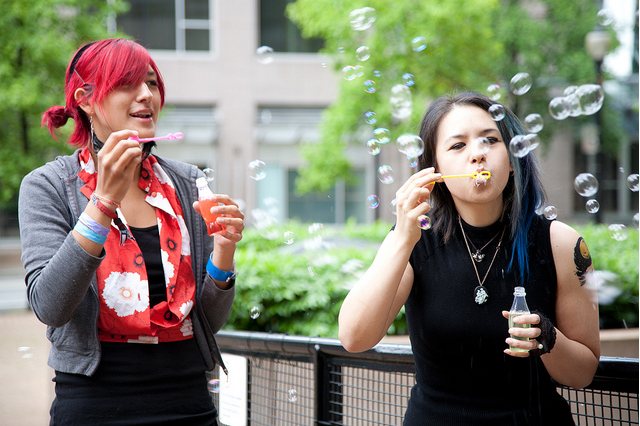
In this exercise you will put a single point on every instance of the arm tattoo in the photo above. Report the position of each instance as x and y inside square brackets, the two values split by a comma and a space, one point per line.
[582, 258]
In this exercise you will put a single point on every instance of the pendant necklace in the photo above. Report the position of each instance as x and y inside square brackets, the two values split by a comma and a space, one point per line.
[478, 255]
[480, 293]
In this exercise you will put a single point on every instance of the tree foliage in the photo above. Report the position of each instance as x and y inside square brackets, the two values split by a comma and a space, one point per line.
[36, 41]
[470, 45]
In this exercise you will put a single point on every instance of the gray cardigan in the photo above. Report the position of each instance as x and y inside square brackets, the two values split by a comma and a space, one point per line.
[60, 275]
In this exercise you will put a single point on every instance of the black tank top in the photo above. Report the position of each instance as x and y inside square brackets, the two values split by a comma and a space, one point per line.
[463, 376]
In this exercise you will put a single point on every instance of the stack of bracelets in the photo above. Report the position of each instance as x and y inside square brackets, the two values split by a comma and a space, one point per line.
[89, 228]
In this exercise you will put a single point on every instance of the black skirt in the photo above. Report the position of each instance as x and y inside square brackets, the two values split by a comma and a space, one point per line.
[137, 384]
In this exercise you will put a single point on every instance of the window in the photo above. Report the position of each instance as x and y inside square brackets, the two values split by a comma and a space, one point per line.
[279, 33]
[181, 25]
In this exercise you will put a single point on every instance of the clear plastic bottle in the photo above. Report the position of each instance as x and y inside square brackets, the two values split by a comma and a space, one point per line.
[205, 198]
[519, 307]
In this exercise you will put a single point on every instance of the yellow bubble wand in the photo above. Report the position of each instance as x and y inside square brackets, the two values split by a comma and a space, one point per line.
[483, 174]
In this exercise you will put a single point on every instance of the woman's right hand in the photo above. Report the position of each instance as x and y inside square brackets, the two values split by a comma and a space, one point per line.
[412, 200]
[117, 162]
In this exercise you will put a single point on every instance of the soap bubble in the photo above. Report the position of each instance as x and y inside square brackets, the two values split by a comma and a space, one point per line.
[362, 19]
[373, 146]
[370, 86]
[288, 237]
[358, 70]
[480, 146]
[533, 141]
[214, 386]
[559, 108]
[591, 98]
[632, 182]
[385, 174]
[497, 112]
[349, 73]
[410, 145]
[408, 79]
[618, 231]
[575, 109]
[519, 146]
[254, 313]
[257, 170]
[394, 206]
[635, 219]
[363, 53]
[607, 285]
[370, 117]
[550, 212]
[209, 174]
[424, 222]
[494, 91]
[377, 73]
[520, 83]
[570, 90]
[592, 206]
[373, 201]
[604, 18]
[382, 135]
[413, 162]
[586, 184]
[265, 54]
[400, 102]
[418, 44]
[534, 122]
[316, 229]
[292, 395]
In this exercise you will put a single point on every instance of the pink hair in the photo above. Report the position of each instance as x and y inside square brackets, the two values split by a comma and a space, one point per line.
[99, 67]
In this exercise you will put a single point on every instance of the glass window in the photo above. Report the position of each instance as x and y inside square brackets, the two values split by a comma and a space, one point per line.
[279, 33]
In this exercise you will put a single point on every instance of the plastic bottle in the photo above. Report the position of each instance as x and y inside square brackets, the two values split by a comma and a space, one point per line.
[519, 307]
[205, 198]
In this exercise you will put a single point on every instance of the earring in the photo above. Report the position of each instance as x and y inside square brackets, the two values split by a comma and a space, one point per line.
[91, 124]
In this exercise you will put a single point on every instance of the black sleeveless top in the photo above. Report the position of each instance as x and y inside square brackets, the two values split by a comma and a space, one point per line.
[463, 377]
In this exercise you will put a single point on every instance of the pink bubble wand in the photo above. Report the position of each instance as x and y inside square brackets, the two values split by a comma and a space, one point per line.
[169, 137]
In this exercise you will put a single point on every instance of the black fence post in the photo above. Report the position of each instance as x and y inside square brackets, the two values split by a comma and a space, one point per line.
[328, 394]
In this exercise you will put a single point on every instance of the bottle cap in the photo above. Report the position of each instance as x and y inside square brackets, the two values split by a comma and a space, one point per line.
[519, 291]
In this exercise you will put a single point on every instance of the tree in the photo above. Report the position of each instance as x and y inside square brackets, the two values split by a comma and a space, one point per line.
[469, 46]
[36, 41]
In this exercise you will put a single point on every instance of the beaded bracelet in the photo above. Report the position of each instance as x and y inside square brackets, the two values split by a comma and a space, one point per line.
[93, 225]
[104, 209]
[89, 233]
[106, 200]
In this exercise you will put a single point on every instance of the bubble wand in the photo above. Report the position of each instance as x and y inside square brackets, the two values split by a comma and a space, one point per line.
[485, 174]
[169, 137]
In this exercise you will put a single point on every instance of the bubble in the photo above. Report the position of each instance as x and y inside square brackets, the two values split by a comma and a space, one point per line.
[559, 108]
[519, 146]
[586, 184]
[385, 174]
[265, 54]
[592, 206]
[497, 112]
[362, 19]
[373, 146]
[209, 174]
[408, 79]
[618, 231]
[373, 201]
[400, 102]
[570, 90]
[410, 145]
[363, 53]
[494, 91]
[311, 271]
[520, 83]
[358, 70]
[349, 73]
[288, 237]
[316, 229]
[418, 44]
[341, 50]
[532, 140]
[424, 222]
[315, 237]
[607, 285]
[292, 395]
[635, 220]
[377, 73]
[413, 162]
[550, 212]
[370, 117]
[352, 267]
[257, 170]
[214, 386]
[604, 18]
[254, 313]
[394, 206]
[480, 146]
[534, 122]
[370, 86]
[382, 135]
[590, 97]
[575, 109]
[632, 182]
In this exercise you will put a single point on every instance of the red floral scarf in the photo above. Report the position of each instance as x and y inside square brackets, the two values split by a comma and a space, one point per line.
[125, 314]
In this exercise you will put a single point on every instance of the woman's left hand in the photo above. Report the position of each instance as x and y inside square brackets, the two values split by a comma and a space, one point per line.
[532, 333]
[230, 216]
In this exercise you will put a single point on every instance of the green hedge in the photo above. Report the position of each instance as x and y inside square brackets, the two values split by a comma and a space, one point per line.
[298, 288]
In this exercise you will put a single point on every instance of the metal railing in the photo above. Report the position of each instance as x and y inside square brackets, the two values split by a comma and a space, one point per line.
[295, 380]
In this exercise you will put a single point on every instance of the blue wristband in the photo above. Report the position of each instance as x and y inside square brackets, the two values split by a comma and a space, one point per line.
[219, 275]
[93, 225]
[90, 234]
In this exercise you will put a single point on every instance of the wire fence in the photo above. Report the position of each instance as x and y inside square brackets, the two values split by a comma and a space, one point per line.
[294, 380]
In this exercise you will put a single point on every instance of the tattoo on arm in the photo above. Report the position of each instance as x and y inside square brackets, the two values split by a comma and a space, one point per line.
[582, 259]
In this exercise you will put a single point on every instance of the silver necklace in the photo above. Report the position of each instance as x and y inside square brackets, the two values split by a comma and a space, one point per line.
[480, 293]
[478, 255]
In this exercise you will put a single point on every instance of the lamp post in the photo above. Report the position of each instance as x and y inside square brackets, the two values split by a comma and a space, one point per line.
[597, 43]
